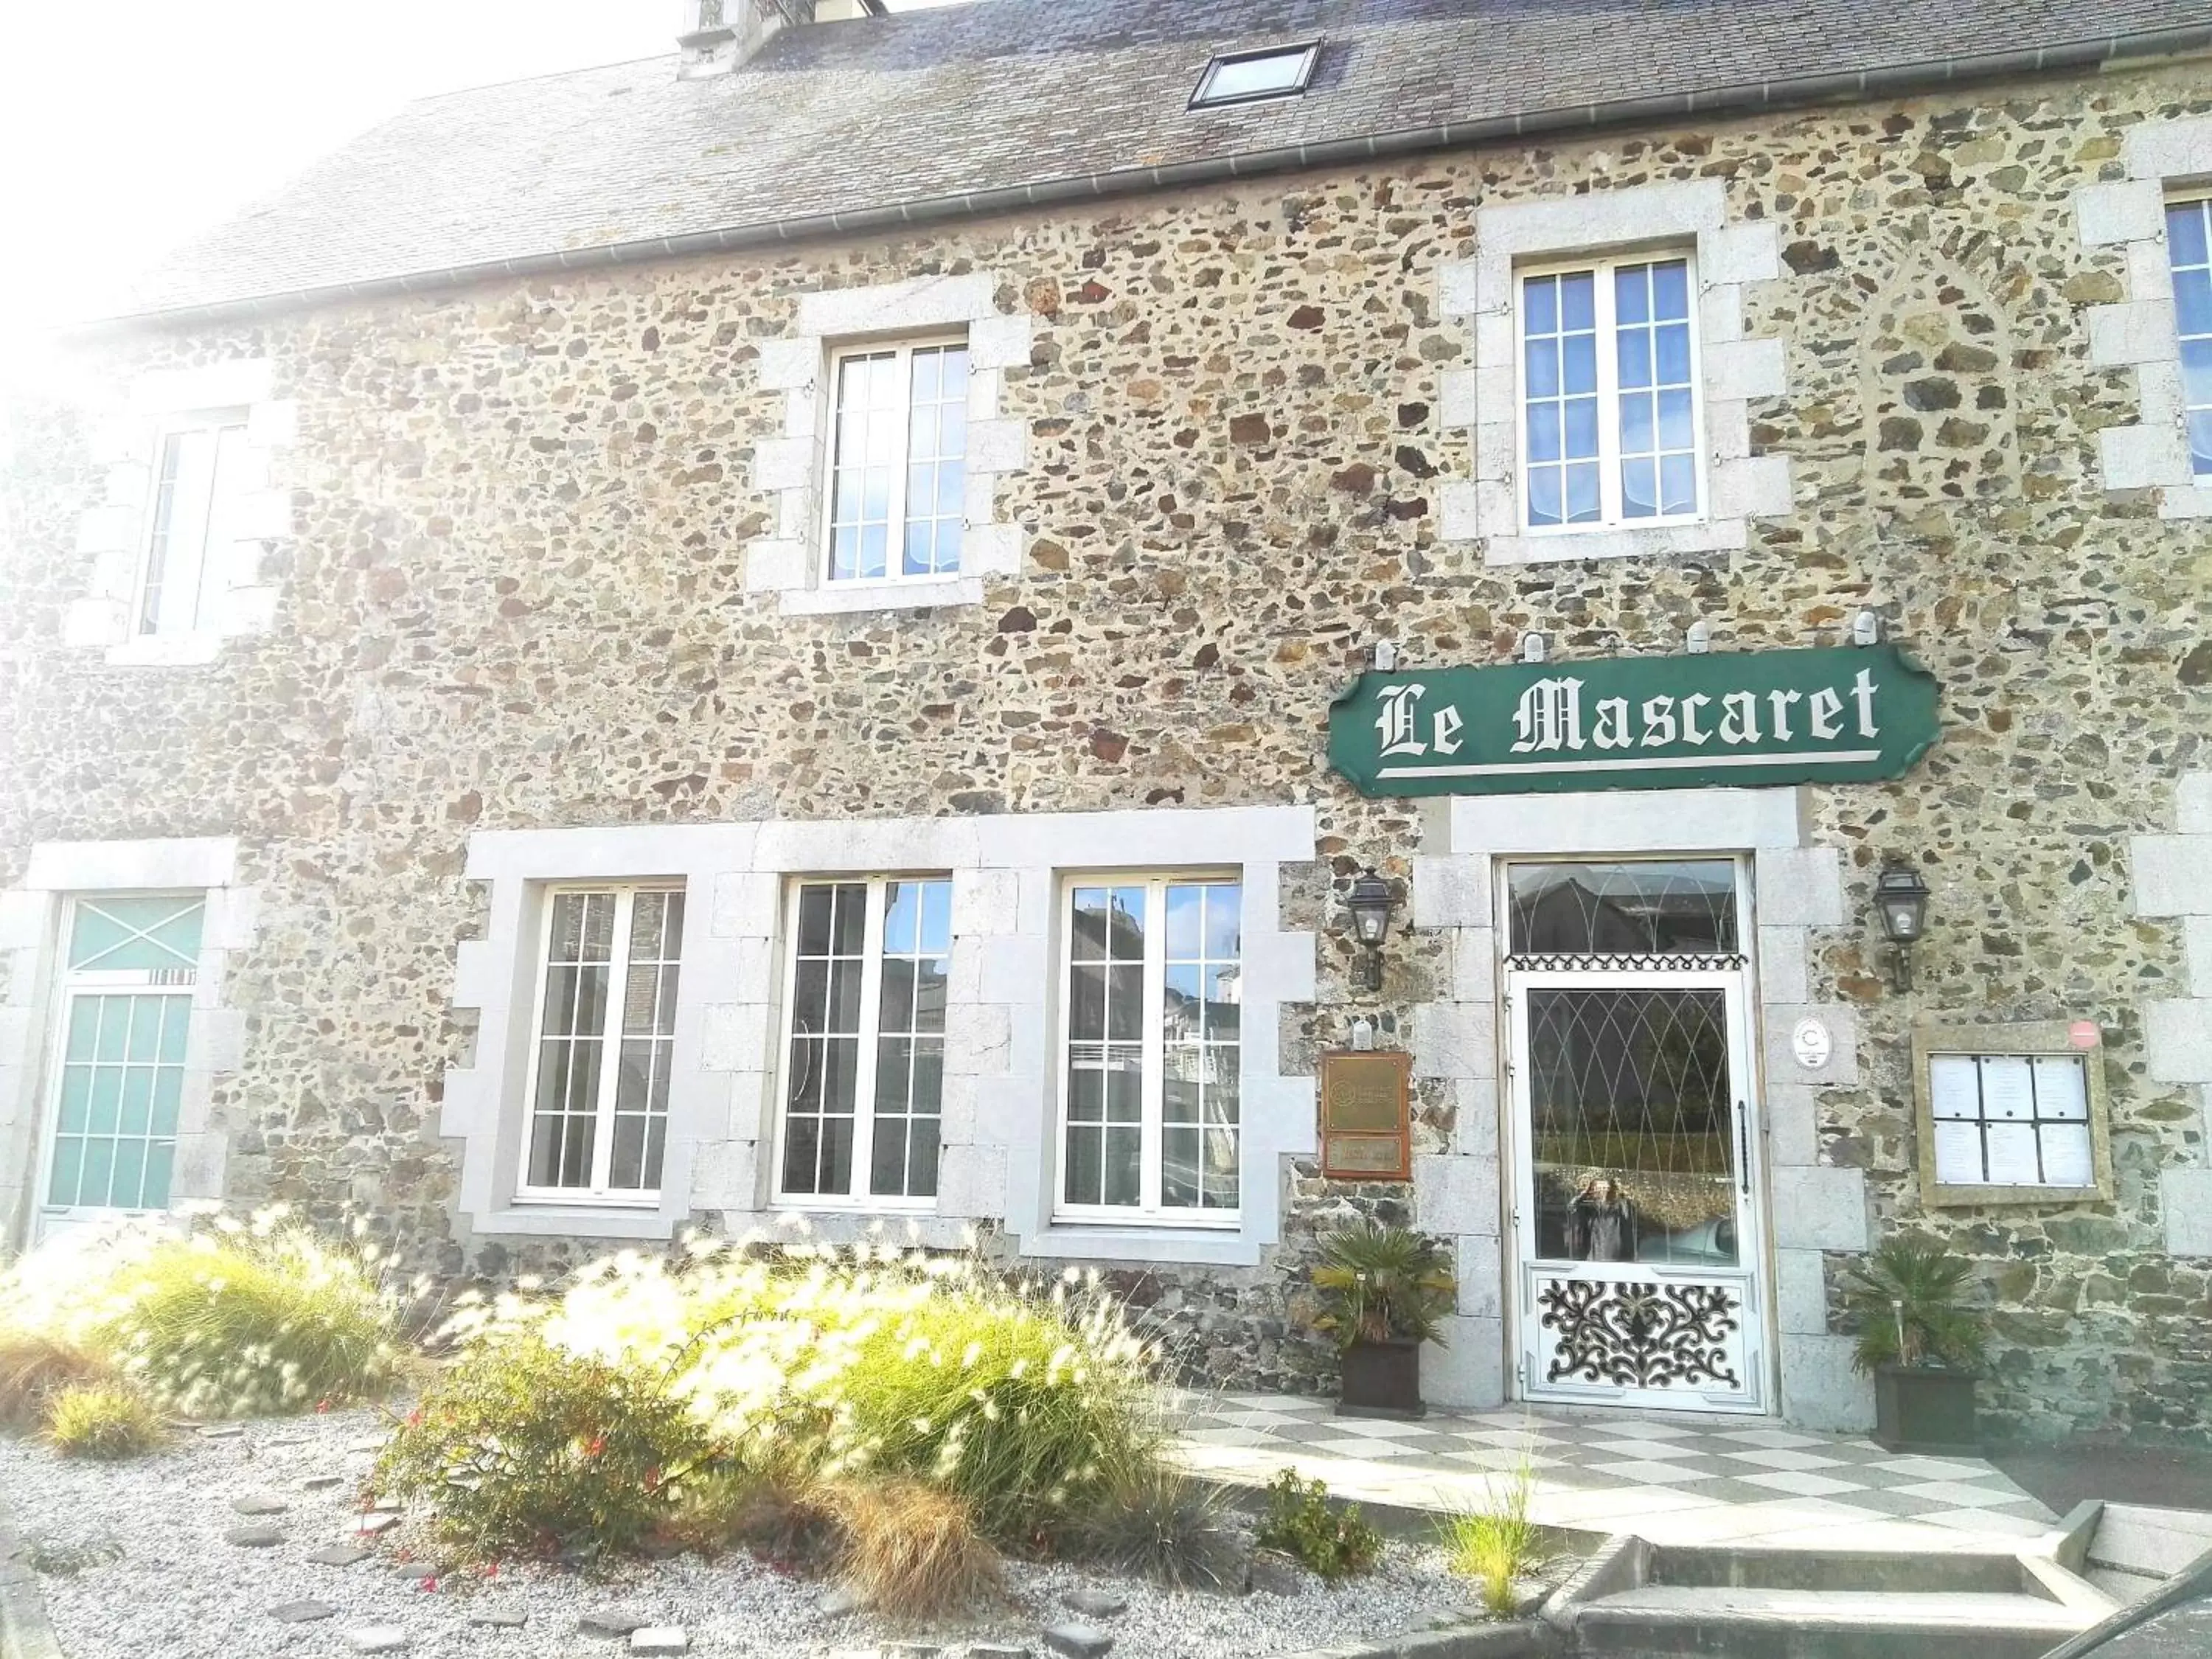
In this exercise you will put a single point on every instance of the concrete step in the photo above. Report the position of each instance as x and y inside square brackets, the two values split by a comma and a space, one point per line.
[1665, 1621]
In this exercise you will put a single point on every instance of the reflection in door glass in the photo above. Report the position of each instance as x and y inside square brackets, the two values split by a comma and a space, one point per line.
[1645, 908]
[1632, 1125]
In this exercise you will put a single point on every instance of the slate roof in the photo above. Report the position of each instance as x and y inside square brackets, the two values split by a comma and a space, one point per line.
[920, 113]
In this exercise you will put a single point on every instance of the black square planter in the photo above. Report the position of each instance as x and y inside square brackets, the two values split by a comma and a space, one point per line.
[1922, 1409]
[1381, 1379]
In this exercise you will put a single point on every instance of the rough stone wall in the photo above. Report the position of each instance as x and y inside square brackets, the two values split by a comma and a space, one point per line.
[515, 598]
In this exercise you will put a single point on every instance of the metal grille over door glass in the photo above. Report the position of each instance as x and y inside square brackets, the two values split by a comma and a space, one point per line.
[126, 990]
[1656, 910]
[595, 1126]
[1630, 1118]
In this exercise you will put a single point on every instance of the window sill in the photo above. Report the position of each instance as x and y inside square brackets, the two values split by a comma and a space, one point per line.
[1562, 547]
[165, 651]
[562, 1219]
[919, 593]
[1213, 1246]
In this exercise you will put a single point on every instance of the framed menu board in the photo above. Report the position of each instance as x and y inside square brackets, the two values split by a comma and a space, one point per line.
[2011, 1113]
[1366, 1120]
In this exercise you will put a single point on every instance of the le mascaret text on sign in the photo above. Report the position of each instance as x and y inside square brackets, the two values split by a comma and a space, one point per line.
[1845, 715]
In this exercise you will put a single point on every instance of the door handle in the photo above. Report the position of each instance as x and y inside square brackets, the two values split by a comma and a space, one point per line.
[1743, 1146]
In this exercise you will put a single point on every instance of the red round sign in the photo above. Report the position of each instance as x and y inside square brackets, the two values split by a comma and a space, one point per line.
[2084, 1034]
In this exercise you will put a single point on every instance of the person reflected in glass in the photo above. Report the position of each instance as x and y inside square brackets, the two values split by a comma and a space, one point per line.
[1602, 1222]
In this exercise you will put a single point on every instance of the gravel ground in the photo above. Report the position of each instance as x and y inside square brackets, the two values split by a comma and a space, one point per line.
[179, 1589]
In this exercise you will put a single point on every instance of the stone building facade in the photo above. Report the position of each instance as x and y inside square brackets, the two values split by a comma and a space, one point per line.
[519, 607]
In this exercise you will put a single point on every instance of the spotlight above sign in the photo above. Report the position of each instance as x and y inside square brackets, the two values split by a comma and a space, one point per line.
[1743, 719]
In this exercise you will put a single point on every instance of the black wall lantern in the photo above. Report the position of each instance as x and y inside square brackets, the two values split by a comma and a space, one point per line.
[1370, 902]
[1900, 900]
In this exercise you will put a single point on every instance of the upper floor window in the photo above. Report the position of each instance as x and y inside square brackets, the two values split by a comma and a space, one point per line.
[2189, 243]
[606, 1034]
[1609, 395]
[898, 475]
[200, 476]
[864, 1065]
[1241, 77]
[1152, 996]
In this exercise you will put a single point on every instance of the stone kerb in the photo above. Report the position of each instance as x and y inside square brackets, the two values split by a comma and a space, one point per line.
[2172, 879]
[2138, 333]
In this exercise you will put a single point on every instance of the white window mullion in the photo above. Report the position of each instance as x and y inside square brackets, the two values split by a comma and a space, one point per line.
[1602, 290]
[895, 538]
[864, 1060]
[610, 1033]
[1152, 1141]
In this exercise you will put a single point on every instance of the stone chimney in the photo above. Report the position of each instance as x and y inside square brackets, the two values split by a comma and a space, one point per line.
[718, 35]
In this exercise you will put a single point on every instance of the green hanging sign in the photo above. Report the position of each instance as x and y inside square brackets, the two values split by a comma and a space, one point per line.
[1845, 715]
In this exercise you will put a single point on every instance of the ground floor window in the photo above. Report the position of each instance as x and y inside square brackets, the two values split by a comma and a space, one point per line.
[864, 1057]
[129, 967]
[598, 1101]
[1149, 1120]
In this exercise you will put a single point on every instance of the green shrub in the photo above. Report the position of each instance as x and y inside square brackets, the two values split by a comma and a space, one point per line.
[33, 1368]
[1332, 1543]
[911, 1550]
[109, 1421]
[1156, 1521]
[1497, 1543]
[526, 1447]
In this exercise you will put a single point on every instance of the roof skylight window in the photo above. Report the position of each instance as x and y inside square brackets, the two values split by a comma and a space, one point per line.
[1246, 77]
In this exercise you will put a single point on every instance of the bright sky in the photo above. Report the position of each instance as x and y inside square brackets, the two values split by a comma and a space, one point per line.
[127, 125]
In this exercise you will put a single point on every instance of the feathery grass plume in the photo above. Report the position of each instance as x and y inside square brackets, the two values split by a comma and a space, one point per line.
[1496, 1543]
[109, 1421]
[912, 1552]
[228, 1318]
[253, 1319]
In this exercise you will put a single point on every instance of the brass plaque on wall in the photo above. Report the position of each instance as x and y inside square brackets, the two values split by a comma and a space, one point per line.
[1366, 1125]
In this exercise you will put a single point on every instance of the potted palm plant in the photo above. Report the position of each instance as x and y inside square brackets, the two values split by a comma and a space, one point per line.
[1920, 1342]
[1384, 1291]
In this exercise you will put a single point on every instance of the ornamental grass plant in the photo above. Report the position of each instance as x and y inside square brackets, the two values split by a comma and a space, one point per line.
[1496, 1543]
[228, 1318]
[648, 1400]
[109, 1421]
[911, 1551]
[1154, 1521]
[35, 1366]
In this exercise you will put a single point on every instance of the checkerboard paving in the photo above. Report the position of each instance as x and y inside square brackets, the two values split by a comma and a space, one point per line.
[1678, 1480]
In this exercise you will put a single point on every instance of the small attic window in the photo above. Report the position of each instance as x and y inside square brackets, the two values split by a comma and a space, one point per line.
[1245, 78]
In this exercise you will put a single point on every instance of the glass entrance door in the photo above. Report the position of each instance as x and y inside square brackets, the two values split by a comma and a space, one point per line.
[1636, 1211]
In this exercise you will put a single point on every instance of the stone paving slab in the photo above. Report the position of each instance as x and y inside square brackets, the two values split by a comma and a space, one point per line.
[1674, 1480]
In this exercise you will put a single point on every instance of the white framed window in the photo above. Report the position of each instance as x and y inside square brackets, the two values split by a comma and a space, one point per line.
[608, 961]
[898, 467]
[199, 478]
[1244, 77]
[129, 966]
[868, 966]
[1150, 1127]
[1610, 422]
[2189, 246]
